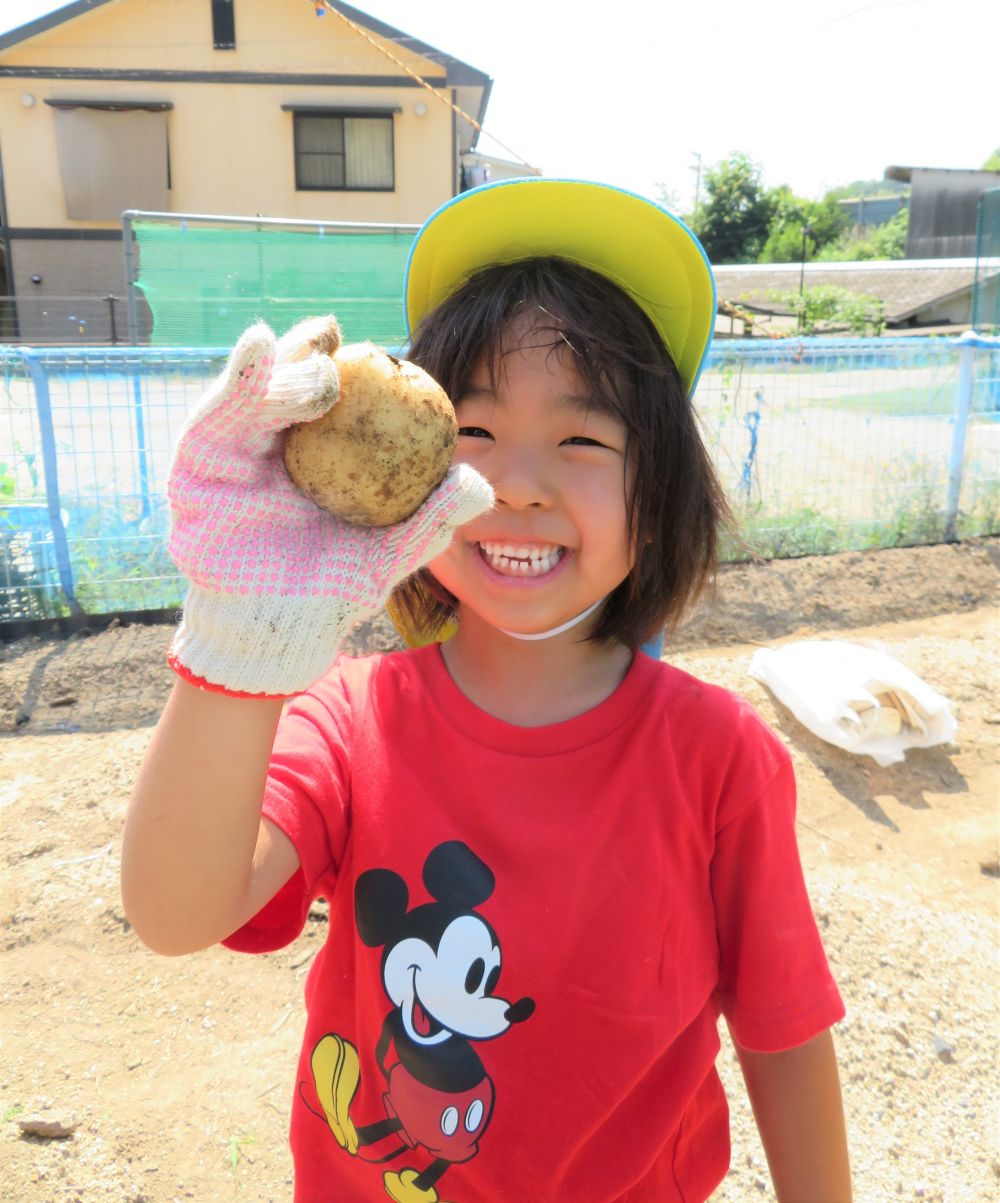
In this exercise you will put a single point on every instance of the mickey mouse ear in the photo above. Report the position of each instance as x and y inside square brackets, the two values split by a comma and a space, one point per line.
[380, 902]
[455, 875]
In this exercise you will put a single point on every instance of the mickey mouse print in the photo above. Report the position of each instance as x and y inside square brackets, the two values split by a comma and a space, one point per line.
[440, 969]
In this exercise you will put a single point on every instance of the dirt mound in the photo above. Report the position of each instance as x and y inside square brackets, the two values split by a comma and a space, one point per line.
[115, 678]
[776, 598]
[174, 1077]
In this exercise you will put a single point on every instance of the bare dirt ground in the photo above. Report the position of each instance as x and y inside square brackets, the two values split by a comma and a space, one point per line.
[177, 1073]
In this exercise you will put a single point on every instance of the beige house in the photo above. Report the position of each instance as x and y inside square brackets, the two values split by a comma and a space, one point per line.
[244, 107]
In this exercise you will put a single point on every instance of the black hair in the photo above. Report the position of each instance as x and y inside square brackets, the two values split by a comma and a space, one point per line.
[676, 506]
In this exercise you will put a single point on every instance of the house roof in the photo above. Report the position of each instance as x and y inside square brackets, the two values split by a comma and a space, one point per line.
[905, 174]
[905, 286]
[39, 25]
[473, 85]
[458, 71]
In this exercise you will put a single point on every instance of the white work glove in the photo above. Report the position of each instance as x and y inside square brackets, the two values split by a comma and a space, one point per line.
[276, 583]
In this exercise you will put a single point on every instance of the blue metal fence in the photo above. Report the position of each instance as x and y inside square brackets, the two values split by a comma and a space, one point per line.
[84, 452]
[823, 445]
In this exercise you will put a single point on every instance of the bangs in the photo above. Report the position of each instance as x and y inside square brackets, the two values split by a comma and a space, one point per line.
[531, 327]
[495, 312]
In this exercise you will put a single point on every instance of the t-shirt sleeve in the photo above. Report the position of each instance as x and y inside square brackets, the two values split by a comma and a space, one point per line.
[307, 796]
[775, 986]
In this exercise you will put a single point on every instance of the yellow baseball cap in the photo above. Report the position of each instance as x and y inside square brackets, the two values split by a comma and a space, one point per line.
[650, 254]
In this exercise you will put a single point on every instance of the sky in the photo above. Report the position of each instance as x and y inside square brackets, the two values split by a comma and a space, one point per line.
[633, 92]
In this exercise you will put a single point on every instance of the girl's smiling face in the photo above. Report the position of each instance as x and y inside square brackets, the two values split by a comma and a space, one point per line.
[557, 540]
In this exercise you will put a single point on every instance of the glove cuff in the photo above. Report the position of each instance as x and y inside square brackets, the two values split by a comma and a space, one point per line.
[257, 645]
[186, 674]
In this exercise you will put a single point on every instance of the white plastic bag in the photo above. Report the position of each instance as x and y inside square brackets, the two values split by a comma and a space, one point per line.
[855, 697]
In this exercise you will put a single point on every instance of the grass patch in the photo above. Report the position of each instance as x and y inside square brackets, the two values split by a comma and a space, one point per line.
[809, 533]
[805, 532]
[981, 514]
[911, 521]
[118, 560]
[910, 501]
[920, 401]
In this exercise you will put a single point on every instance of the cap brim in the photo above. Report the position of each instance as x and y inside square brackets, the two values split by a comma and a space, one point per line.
[650, 254]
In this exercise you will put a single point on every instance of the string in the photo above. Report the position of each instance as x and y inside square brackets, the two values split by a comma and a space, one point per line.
[321, 4]
[566, 626]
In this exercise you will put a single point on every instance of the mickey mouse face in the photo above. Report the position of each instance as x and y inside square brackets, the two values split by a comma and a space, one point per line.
[448, 989]
[442, 960]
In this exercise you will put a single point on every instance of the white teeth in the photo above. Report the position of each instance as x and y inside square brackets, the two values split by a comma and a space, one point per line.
[519, 553]
[522, 561]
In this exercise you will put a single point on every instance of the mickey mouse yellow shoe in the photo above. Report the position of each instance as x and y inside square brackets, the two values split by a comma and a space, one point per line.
[403, 1189]
[337, 1074]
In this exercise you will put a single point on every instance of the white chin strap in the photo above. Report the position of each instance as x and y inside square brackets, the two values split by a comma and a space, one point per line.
[566, 626]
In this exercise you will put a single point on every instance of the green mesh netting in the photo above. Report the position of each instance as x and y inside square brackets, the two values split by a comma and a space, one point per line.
[205, 285]
[986, 291]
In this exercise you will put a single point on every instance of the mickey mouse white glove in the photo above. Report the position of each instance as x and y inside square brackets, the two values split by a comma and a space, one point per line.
[276, 583]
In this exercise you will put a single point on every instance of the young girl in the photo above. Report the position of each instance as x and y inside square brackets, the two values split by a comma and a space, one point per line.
[552, 862]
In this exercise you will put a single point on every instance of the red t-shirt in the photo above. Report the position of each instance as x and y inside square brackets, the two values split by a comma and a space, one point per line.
[532, 934]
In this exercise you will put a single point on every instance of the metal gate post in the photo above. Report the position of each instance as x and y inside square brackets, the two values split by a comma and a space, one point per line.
[131, 301]
[966, 344]
[43, 404]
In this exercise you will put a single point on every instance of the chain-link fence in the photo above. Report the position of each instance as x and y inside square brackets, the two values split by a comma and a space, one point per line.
[823, 445]
[84, 448]
[59, 321]
[831, 445]
[986, 289]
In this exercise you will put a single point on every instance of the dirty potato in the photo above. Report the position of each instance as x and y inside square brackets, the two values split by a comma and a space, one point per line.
[378, 453]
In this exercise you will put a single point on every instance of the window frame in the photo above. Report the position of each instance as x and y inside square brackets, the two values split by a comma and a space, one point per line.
[306, 111]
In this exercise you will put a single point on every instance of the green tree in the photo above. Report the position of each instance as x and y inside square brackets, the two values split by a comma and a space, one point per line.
[732, 220]
[993, 162]
[887, 241]
[829, 308]
[798, 225]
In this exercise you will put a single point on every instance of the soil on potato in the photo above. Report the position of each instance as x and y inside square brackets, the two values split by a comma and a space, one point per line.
[177, 1074]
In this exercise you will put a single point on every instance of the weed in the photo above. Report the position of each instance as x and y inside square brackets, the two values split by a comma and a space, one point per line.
[776, 536]
[910, 493]
[981, 513]
[120, 559]
[28, 578]
[236, 1156]
[831, 308]
[909, 497]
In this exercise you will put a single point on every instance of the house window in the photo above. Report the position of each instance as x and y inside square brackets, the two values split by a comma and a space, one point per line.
[343, 151]
[223, 24]
[113, 155]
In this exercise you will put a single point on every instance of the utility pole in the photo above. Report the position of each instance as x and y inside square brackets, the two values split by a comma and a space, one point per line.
[697, 184]
[806, 231]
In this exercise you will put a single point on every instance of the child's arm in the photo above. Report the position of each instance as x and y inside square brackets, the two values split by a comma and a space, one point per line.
[796, 1101]
[197, 859]
[275, 584]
